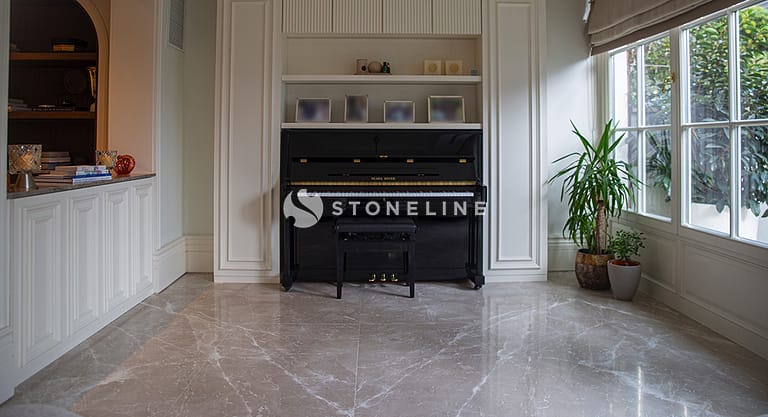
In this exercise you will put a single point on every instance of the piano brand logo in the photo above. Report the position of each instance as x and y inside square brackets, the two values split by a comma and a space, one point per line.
[305, 208]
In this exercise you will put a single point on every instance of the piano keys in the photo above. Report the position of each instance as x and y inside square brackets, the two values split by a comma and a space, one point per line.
[431, 176]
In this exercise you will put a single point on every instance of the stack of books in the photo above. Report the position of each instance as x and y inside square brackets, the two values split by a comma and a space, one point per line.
[68, 45]
[17, 104]
[74, 174]
[50, 160]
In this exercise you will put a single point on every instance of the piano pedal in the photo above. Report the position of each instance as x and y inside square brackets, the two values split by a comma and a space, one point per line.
[383, 277]
[393, 278]
[372, 278]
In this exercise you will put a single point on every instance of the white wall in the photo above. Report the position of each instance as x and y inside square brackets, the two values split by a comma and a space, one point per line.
[170, 131]
[199, 77]
[131, 80]
[569, 97]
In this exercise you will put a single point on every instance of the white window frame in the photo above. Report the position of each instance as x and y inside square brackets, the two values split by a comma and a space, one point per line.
[681, 125]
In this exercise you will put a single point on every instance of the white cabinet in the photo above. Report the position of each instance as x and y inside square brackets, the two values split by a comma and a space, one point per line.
[142, 228]
[38, 266]
[407, 16]
[444, 17]
[456, 17]
[247, 142]
[84, 253]
[516, 238]
[80, 258]
[307, 16]
[117, 247]
[357, 16]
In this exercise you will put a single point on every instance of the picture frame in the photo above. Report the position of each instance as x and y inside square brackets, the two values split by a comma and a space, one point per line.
[355, 108]
[433, 67]
[454, 67]
[313, 110]
[399, 111]
[445, 109]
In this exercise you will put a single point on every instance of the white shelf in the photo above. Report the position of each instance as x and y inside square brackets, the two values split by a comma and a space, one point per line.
[444, 126]
[381, 79]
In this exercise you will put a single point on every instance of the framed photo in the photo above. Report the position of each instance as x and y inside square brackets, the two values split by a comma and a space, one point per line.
[399, 112]
[454, 67]
[355, 109]
[313, 110]
[433, 67]
[445, 109]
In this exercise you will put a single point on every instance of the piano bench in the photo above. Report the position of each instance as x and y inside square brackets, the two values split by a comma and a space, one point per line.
[375, 234]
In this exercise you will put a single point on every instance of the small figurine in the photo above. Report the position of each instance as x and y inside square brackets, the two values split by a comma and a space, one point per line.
[385, 68]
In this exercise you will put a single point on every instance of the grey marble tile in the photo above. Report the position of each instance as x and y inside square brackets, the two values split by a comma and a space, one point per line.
[531, 349]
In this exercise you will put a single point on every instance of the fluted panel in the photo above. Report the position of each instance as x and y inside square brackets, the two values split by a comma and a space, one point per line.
[407, 16]
[458, 17]
[357, 16]
[307, 16]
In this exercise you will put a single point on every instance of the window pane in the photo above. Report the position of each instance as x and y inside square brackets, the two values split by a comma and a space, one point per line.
[658, 173]
[709, 174]
[627, 151]
[625, 88]
[708, 51]
[753, 47]
[657, 83]
[754, 183]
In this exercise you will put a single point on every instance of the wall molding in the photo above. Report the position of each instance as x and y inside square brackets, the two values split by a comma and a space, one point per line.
[199, 253]
[562, 254]
[169, 263]
[755, 342]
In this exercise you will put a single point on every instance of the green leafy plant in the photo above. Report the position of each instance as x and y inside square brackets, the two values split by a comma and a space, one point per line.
[625, 244]
[659, 165]
[598, 187]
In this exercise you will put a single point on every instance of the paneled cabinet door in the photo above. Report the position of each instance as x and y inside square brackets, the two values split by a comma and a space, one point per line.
[84, 254]
[357, 16]
[516, 208]
[307, 16]
[117, 247]
[143, 236]
[246, 145]
[407, 16]
[456, 17]
[38, 263]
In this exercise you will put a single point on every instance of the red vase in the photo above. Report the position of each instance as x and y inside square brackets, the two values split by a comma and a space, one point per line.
[125, 164]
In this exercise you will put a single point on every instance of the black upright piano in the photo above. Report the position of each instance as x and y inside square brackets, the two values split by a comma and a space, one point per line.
[432, 176]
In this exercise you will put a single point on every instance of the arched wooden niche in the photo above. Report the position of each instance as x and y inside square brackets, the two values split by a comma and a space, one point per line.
[40, 75]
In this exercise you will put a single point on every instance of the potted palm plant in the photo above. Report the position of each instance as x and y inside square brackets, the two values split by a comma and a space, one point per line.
[624, 272]
[598, 187]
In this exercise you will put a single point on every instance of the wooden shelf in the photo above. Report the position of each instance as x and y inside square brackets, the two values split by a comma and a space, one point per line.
[53, 56]
[436, 126]
[51, 115]
[381, 79]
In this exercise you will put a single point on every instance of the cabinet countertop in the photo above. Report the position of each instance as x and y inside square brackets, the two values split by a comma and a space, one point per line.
[67, 187]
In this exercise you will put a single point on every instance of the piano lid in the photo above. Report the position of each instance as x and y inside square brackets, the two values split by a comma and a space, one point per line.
[369, 157]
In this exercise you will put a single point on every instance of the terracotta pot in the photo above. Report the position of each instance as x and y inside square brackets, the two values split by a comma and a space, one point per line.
[592, 270]
[625, 277]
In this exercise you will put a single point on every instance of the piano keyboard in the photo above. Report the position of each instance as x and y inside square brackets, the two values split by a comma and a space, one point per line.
[388, 194]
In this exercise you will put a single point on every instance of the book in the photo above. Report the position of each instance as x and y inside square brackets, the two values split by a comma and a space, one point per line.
[66, 179]
[81, 169]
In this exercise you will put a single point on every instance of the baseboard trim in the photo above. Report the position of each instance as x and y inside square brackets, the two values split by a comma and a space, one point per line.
[509, 277]
[169, 263]
[199, 253]
[243, 277]
[562, 254]
[719, 324]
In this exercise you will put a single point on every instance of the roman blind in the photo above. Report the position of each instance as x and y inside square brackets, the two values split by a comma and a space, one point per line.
[615, 23]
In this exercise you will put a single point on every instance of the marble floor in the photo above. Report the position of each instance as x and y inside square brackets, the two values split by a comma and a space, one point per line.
[533, 349]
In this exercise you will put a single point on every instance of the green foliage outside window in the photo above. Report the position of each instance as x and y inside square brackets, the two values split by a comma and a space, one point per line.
[709, 100]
